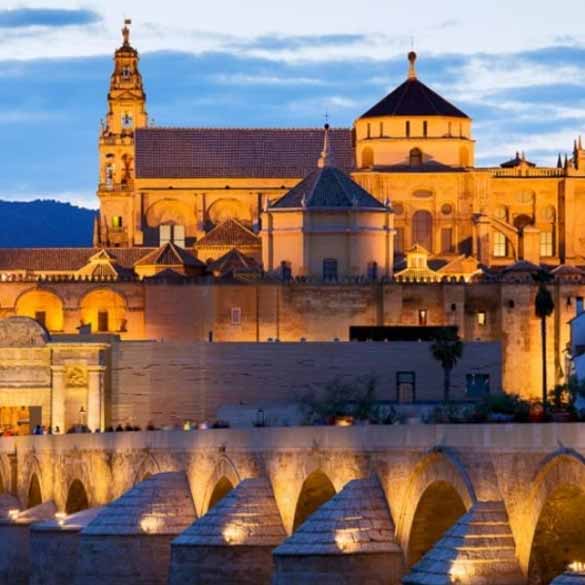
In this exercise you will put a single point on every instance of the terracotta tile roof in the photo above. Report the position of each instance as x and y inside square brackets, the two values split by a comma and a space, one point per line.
[414, 98]
[232, 263]
[229, 233]
[65, 259]
[169, 255]
[328, 188]
[236, 152]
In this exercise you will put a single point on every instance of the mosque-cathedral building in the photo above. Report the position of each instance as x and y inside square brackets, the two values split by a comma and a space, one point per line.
[233, 234]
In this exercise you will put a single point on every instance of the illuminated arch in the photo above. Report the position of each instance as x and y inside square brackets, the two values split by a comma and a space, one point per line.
[224, 470]
[222, 488]
[105, 310]
[367, 157]
[415, 157]
[42, 305]
[554, 515]
[170, 212]
[439, 476]
[315, 491]
[224, 209]
[77, 499]
[147, 468]
[35, 493]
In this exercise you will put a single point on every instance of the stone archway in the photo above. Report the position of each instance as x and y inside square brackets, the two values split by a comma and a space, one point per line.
[147, 469]
[77, 499]
[222, 488]
[35, 495]
[554, 517]
[44, 306]
[438, 477]
[105, 310]
[316, 490]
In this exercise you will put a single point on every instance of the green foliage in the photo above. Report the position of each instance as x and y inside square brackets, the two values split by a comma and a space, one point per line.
[543, 304]
[339, 398]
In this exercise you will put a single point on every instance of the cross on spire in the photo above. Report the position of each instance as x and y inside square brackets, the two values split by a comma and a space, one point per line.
[326, 159]
[126, 31]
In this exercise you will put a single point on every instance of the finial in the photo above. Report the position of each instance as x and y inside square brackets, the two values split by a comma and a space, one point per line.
[560, 162]
[523, 156]
[412, 65]
[580, 143]
[126, 32]
[326, 159]
[566, 162]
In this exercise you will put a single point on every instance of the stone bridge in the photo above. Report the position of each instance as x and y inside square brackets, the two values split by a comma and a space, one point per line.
[305, 504]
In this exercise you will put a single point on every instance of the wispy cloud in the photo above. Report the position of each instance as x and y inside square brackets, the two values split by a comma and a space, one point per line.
[46, 17]
[262, 79]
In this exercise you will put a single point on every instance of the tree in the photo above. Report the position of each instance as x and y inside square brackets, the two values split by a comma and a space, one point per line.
[447, 349]
[544, 307]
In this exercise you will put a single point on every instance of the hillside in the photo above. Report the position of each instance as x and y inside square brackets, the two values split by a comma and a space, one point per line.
[44, 223]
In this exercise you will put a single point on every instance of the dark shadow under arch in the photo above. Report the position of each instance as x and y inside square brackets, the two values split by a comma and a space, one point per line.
[77, 499]
[317, 489]
[559, 538]
[438, 509]
[35, 496]
[222, 488]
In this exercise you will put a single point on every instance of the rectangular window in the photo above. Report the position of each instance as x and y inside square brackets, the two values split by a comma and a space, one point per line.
[103, 322]
[399, 241]
[329, 269]
[41, 318]
[405, 387]
[236, 315]
[423, 317]
[179, 235]
[425, 128]
[164, 232]
[408, 129]
[500, 248]
[481, 318]
[546, 244]
[369, 130]
[117, 222]
[447, 240]
[381, 129]
[477, 385]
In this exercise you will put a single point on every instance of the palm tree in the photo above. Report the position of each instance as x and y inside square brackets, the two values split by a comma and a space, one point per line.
[447, 349]
[544, 307]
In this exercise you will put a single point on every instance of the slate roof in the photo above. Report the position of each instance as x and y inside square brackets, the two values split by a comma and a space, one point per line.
[356, 520]
[414, 98]
[328, 187]
[247, 516]
[230, 233]
[236, 152]
[570, 578]
[516, 162]
[161, 504]
[479, 549]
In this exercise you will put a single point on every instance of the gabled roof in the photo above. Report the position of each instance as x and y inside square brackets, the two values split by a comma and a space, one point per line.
[414, 98]
[230, 233]
[235, 152]
[518, 160]
[328, 188]
[232, 263]
[169, 255]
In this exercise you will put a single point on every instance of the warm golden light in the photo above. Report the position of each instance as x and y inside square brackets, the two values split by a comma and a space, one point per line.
[234, 534]
[457, 573]
[13, 514]
[577, 567]
[151, 524]
[60, 517]
[345, 539]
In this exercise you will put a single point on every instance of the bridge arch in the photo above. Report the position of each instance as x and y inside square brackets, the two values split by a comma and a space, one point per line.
[223, 479]
[315, 491]
[77, 499]
[554, 516]
[149, 467]
[35, 492]
[439, 492]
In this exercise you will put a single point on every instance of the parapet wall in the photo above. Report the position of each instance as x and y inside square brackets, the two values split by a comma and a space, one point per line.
[171, 382]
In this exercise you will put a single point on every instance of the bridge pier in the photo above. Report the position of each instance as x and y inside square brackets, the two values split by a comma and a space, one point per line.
[478, 549]
[232, 544]
[15, 540]
[54, 548]
[128, 543]
[348, 540]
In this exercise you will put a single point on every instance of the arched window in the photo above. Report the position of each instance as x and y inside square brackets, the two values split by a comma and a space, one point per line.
[367, 158]
[422, 229]
[330, 269]
[415, 158]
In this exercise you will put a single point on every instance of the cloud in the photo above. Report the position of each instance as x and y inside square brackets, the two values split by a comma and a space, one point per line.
[46, 17]
[277, 80]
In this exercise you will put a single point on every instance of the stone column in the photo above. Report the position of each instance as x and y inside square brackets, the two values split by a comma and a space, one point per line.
[95, 398]
[58, 398]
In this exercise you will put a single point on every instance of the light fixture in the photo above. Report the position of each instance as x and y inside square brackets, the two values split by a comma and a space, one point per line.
[60, 517]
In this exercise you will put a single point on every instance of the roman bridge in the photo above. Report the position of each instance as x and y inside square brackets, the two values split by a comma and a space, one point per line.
[321, 502]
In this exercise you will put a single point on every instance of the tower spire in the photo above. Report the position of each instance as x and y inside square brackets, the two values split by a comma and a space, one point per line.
[412, 65]
[126, 32]
[326, 159]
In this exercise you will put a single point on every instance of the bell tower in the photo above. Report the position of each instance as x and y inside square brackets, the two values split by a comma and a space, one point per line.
[126, 112]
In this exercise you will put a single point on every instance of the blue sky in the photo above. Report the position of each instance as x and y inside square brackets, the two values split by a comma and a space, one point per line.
[519, 71]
